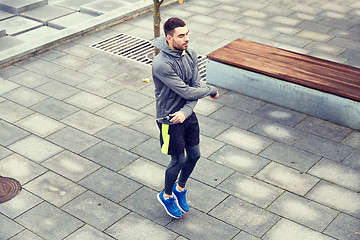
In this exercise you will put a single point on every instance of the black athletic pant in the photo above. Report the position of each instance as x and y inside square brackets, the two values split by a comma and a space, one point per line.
[183, 165]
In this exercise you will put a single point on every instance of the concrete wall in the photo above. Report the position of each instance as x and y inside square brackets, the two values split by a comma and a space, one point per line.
[303, 99]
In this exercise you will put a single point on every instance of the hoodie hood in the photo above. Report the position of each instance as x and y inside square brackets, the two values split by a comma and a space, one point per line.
[161, 43]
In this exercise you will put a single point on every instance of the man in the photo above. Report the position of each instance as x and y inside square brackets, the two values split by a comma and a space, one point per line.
[177, 89]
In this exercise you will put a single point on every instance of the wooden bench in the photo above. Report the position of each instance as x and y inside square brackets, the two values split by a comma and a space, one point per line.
[307, 84]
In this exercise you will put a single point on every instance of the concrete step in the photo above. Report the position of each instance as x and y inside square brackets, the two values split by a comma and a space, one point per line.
[37, 34]
[101, 6]
[18, 25]
[2, 33]
[71, 4]
[47, 13]
[6, 15]
[9, 42]
[70, 20]
[19, 6]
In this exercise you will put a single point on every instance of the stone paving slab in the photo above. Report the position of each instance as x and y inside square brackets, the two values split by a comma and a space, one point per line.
[343, 227]
[21, 204]
[35, 148]
[28, 79]
[28, 170]
[9, 228]
[244, 140]
[103, 180]
[239, 160]
[25, 96]
[121, 136]
[54, 108]
[26, 234]
[88, 232]
[46, 13]
[245, 216]
[4, 152]
[73, 4]
[86, 122]
[40, 125]
[324, 129]
[323, 147]
[278, 132]
[108, 155]
[103, 214]
[145, 204]
[352, 140]
[251, 190]
[73, 139]
[353, 160]
[10, 134]
[70, 165]
[337, 173]
[336, 197]
[54, 188]
[286, 229]
[13, 112]
[206, 227]
[69, 20]
[290, 156]
[49, 222]
[245, 236]
[235, 117]
[303, 211]
[101, 6]
[287, 178]
[144, 228]
[17, 25]
[18, 6]
[210, 172]
[146, 172]
[203, 197]
[120, 114]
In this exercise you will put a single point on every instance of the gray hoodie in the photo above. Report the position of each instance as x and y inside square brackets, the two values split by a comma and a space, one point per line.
[177, 81]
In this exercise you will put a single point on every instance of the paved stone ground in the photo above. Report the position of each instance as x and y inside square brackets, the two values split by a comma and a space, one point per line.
[77, 130]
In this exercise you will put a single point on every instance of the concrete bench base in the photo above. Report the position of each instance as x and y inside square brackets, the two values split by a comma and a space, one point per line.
[324, 105]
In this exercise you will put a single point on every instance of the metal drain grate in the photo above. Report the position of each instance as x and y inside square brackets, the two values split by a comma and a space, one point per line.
[9, 188]
[137, 49]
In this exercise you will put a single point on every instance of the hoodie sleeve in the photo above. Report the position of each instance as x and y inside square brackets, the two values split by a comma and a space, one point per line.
[164, 72]
[195, 82]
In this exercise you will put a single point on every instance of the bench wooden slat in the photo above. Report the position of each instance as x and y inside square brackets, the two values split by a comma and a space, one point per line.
[239, 44]
[281, 67]
[293, 75]
[311, 64]
[309, 71]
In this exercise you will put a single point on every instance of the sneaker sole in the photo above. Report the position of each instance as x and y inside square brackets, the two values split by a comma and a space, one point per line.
[158, 198]
[177, 203]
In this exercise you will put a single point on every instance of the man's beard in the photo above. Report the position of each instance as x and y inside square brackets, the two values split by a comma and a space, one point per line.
[181, 47]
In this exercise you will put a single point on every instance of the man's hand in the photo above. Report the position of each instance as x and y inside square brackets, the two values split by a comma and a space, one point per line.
[216, 96]
[177, 117]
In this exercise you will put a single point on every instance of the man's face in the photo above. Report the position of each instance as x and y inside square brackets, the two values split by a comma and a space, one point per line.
[180, 39]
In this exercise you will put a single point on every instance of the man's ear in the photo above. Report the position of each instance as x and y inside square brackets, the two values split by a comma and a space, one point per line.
[168, 37]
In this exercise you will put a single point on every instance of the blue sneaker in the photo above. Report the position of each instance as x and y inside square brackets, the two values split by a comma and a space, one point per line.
[181, 199]
[170, 205]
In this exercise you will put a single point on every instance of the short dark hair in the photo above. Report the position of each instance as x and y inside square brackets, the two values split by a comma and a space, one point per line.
[171, 24]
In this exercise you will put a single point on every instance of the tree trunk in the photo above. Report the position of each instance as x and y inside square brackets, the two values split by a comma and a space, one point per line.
[157, 20]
